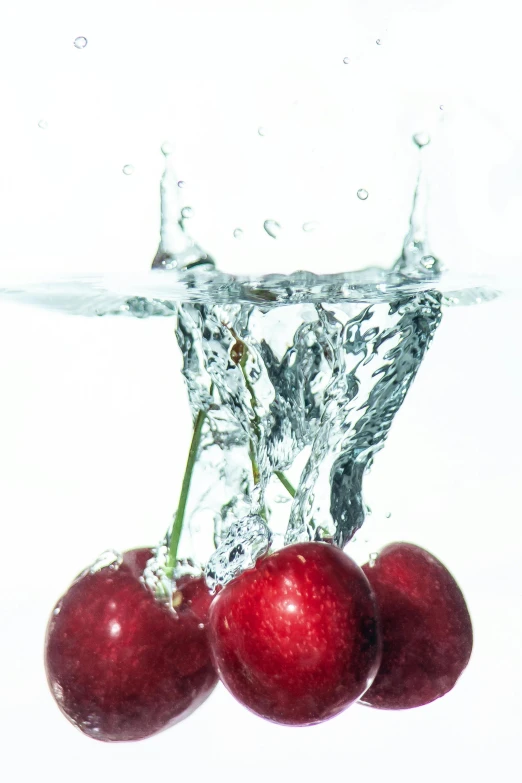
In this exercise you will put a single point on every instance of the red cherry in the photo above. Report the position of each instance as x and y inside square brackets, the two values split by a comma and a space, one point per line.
[122, 666]
[295, 639]
[426, 628]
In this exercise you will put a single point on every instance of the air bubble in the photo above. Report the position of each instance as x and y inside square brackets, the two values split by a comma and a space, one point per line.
[108, 559]
[310, 226]
[238, 233]
[187, 212]
[128, 169]
[181, 184]
[80, 42]
[421, 140]
[43, 124]
[362, 194]
[272, 228]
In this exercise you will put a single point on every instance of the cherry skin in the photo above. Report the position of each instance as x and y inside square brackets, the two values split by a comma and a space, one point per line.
[427, 635]
[120, 665]
[295, 639]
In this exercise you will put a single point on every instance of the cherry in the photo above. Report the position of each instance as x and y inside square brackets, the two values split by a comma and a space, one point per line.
[122, 666]
[426, 628]
[295, 639]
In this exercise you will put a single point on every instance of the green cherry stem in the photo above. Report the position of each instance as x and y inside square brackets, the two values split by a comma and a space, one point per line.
[284, 481]
[177, 525]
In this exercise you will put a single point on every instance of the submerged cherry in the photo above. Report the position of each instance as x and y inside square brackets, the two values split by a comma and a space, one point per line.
[426, 628]
[295, 639]
[121, 665]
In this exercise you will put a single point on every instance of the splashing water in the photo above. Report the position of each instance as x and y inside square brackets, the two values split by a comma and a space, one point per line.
[300, 375]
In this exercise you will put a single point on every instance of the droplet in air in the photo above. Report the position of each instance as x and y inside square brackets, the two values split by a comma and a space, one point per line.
[362, 194]
[261, 131]
[372, 559]
[238, 233]
[310, 226]
[272, 228]
[441, 107]
[181, 184]
[378, 41]
[128, 169]
[388, 514]
[421, 140]
[346, 61]
[187, 212]
[80, 42]
[167, 148]
[43, 124]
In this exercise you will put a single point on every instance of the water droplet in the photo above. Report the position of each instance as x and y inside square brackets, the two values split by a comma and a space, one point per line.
[261, 131]
[281, 499]
[238, 233]
[421, 140]
[346, 61]
[310, 226]
[57, 611]
[43, 124]
[80, 42]
[378, 41]
[167, 148]
[388, 514]
[372, 559]
[128, 169]
[187, 212]
[272, 228]
[362, 194]
[441, 107]
[181, 184]
[429, 262]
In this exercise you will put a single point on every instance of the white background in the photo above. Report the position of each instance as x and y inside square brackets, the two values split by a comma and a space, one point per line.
[93, 418]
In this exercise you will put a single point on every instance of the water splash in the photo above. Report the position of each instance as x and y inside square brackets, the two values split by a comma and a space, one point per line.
[177, 249]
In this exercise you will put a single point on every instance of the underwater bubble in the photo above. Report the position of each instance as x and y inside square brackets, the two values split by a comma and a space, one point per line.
[388, 514]
[362, 194]
[441, 107]
[187, 212]
[43, 124]
[261, 131]
[378, 41]
[310, 226]
[429, 262]
[238, 233]
[272, 228]
[181, 184]
[128, 169]
[346, 61]
[421, 140]
[80, 42]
